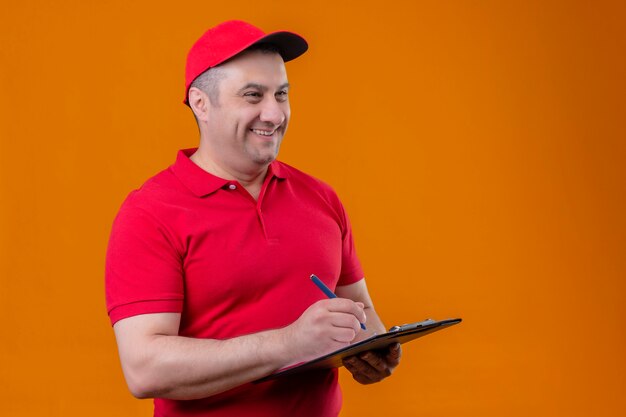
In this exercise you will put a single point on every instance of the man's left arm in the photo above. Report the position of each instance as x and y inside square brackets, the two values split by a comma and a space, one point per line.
[372, 366]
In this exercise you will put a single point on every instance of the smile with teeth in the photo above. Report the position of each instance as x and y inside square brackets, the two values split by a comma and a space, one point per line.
[263, 132]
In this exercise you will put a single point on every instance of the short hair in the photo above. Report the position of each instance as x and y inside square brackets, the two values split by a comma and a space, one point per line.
[209, 80]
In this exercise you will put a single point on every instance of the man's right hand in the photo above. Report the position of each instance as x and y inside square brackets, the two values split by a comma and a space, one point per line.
[325, 326]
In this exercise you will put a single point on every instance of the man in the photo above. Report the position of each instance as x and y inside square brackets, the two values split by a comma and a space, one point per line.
[208, 265]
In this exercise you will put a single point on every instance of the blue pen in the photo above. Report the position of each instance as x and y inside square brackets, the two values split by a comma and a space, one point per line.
[327, 291]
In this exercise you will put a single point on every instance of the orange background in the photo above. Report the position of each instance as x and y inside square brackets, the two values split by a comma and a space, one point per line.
[479, 147]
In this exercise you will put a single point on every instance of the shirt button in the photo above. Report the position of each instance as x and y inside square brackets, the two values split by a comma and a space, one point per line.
[232, 186]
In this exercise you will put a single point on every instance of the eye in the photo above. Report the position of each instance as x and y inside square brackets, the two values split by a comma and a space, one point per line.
[253, 96]
[281, 95]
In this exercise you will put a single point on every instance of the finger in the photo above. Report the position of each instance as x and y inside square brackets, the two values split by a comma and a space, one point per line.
[393, 354]
[343, 335]
[375, 360]
[361, 316]
[345, 320]
[344, 305]
[367, 370]
[357, 374]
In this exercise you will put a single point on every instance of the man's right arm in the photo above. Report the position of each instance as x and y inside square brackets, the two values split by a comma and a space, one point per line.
[157, 362]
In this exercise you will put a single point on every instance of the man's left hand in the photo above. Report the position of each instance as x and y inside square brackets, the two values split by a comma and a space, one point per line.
[373, 366]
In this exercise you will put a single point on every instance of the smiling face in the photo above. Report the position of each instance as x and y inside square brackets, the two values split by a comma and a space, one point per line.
[244, 124]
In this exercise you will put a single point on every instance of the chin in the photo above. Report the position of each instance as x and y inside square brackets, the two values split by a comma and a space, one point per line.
[265, 160]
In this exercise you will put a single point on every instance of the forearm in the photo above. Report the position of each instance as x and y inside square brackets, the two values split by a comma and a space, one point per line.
[186, 368]
[358, 292]
[175, 367]
[374, 323]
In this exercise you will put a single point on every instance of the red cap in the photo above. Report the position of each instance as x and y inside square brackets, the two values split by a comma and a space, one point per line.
[227, 39]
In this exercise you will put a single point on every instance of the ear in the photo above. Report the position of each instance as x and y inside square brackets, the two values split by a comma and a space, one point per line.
[199, 103]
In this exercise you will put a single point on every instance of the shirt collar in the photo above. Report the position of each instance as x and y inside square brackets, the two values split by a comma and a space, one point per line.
[276, 169]
[202, 183]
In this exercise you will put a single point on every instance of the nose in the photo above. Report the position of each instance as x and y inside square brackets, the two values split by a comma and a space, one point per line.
[274, 112]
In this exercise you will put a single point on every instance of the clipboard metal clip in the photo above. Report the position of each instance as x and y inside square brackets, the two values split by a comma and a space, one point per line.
[411, 326]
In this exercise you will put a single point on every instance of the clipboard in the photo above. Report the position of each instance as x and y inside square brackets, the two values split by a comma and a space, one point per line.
[399, 334]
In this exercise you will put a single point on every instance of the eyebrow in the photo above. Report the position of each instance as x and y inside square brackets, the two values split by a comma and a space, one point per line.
[261, 87]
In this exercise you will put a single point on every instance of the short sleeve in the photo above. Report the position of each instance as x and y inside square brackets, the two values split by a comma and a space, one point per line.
[351, 269]
[143, 271]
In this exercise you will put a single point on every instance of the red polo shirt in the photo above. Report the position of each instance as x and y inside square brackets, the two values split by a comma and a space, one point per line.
[195, 244]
